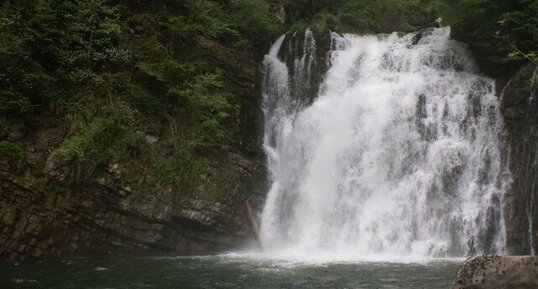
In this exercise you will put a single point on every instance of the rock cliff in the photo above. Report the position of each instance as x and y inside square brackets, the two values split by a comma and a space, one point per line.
[50, 206]
[43, 215]
[520, 110]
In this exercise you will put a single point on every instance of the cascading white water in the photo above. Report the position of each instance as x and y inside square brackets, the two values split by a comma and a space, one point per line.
[399, 154]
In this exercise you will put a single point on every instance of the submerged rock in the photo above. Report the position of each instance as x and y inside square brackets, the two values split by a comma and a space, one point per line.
[498, 272]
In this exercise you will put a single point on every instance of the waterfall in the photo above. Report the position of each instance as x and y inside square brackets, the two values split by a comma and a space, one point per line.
[399, 153]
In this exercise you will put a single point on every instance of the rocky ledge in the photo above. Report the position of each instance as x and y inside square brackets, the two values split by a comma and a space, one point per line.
[42, 215]
[499, 272]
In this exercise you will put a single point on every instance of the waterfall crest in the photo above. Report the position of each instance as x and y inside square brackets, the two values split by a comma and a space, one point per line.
[399, 154]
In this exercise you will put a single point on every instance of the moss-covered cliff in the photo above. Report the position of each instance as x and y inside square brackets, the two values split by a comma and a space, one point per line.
[128, 125]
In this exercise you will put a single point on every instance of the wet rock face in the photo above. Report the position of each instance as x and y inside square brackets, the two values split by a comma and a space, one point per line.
[520, 111]
[35, 221]
[497, 272]
[305, 55]
[41, 214]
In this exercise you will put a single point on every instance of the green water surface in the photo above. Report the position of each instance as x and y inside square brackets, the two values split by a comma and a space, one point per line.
[220, 272]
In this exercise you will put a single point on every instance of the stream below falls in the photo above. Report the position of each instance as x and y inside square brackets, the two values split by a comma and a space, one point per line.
[224, 271]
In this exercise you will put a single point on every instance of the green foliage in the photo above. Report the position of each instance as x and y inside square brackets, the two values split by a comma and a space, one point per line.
[88, 142]
[20, 77]
[499, 31]
[11, 150]
[361, 15]
[49, 48]
[62, 99]
[140, 98]
[212, 130]
[91, 41]
[520, 30]
[205, 96]
[112, 72]
[255, 23]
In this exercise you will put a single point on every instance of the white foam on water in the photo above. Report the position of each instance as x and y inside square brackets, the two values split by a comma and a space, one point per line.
[274, 261]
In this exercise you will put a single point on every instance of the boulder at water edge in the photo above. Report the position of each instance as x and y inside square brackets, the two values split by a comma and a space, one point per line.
[498, 272]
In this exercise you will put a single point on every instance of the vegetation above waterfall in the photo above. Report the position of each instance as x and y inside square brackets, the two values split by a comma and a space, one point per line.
[499, 32]
[361, 16]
